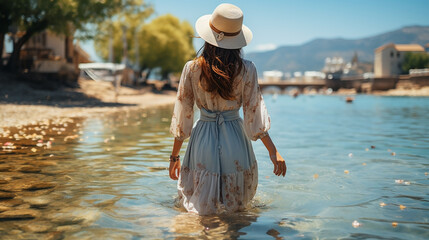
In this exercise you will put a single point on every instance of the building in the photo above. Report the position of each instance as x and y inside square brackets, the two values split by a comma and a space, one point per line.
[337, 67]
[389, 57]
[333, 65]
[272, 76]
[310, 76]
[48, 52]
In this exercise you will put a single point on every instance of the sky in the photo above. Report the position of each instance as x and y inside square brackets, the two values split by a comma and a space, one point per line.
[285, 22]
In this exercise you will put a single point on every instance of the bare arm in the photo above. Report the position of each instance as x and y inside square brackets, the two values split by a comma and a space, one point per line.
[278, 161]
[174, 169]
[176, 147]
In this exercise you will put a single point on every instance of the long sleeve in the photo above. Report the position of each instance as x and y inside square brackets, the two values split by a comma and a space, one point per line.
[256, 118]
[183, 114]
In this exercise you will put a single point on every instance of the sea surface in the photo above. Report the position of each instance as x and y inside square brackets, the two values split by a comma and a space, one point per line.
[355, 171]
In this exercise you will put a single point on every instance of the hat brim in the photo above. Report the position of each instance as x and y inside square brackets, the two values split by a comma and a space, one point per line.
[229, 42]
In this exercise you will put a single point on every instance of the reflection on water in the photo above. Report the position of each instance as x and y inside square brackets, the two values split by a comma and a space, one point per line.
[217, 227]
[106, 177]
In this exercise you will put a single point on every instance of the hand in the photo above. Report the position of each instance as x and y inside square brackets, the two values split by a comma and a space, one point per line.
[174, 170]
[279, 164]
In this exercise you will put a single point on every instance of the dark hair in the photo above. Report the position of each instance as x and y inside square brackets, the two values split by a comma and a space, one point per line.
[219, 67]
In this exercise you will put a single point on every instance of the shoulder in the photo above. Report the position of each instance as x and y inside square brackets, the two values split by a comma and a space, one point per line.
[249, 66]
[249, 71]
[191, 66]
[188, 65]
[188, 69]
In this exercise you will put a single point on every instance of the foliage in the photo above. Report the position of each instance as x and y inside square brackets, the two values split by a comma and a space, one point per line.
[61, 16]
[112, 29]
[415, 60]
[164, 43]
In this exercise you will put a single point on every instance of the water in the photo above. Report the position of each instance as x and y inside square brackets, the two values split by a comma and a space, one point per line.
[111, 181]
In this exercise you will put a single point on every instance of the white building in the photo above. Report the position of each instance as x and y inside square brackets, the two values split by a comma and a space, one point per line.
[389, 57]
[297, 74]
[272, 76]
[49, 43]
[334, 64]
[313, 75]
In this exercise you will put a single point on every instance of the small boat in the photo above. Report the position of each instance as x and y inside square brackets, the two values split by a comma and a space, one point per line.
[295, 94]
[349, 99]
[108, 72]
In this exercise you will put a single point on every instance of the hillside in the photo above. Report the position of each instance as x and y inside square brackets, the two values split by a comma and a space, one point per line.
[311, 55]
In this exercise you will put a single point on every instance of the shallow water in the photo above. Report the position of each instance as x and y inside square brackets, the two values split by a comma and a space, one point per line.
[108, 176]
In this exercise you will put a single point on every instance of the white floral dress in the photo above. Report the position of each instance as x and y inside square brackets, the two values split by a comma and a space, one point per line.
[219, 170]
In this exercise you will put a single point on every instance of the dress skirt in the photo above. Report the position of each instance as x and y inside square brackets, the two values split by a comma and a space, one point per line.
[219, 171]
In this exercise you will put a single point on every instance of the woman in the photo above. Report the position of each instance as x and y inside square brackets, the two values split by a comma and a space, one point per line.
[219, 170]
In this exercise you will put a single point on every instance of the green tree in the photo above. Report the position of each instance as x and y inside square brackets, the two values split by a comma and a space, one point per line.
[113, 30]
[415, 60]
[110, 31]
[61, 16]
[164, 43]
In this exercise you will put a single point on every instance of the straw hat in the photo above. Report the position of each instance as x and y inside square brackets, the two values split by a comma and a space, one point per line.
[224, 28]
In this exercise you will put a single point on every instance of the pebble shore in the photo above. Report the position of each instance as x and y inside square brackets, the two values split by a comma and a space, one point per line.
[21, 105]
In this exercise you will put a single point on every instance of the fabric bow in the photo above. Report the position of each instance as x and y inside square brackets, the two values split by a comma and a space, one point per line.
[219, 118]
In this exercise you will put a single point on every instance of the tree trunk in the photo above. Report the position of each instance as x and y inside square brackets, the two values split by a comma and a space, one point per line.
[13, 63]
[1, 49]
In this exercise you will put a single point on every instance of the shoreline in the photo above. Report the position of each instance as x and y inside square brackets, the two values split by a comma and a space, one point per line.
[21, 105]
[397, 92]
[12, 115]
[421, 92]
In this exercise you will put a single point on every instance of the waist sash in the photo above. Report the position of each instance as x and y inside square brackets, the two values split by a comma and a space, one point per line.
[218, 117]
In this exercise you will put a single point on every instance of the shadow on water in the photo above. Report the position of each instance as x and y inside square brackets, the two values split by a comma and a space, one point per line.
[224, 226]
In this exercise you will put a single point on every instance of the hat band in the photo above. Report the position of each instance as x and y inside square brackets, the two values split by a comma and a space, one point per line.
[224, 33]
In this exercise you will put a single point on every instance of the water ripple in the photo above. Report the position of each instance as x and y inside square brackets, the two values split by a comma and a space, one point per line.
[111, 179]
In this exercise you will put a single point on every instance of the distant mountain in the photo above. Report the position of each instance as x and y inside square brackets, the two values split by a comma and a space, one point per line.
[311, 56]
